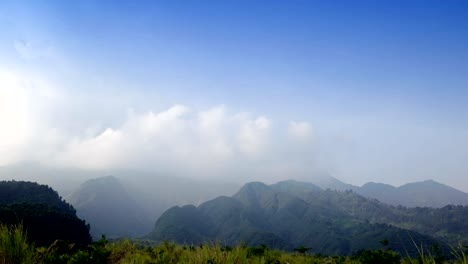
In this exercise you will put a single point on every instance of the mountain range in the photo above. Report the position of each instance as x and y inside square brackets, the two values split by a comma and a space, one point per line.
[131, 204]
[120, 208]
[117, 207]
[291, 214]
[427, 193]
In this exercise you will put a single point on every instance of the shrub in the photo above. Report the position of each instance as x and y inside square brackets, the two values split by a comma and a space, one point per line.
[14, 247]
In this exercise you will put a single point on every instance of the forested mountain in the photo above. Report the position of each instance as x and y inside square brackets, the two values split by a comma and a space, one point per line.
[290, 214]
[110, 210]
[448, 223]
[129, 206]
[43, 213]
[423, 194]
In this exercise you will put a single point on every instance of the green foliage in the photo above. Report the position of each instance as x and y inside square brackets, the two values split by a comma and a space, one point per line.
[42, 212]
[378, 256]
[461, 253]
[15, 192]
[14, 247]
[285, 215]
[302, 249]
[62, 252]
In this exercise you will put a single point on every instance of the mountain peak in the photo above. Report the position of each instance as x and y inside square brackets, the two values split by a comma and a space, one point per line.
[105, 200]
[295, 187]
[252, 193]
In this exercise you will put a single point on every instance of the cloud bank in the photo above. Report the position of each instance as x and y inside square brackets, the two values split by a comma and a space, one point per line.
[207, 143]
[203, 143]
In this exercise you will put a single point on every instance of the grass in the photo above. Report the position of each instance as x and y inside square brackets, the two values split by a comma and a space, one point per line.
[14, 248]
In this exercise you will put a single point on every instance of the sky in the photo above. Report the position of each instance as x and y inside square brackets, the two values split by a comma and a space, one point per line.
[238, 90]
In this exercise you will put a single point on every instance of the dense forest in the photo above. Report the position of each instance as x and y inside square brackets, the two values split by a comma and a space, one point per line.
[290, 214]
[44, 215]
[447, 223]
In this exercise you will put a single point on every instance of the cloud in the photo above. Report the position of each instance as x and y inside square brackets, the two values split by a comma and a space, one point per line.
[177, 136]
[40, 124]
[253, 134]
[26, 50]
[14, 117]
[300, 130]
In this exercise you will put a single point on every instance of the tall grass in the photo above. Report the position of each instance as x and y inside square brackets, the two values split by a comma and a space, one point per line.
[126, 252]
[14, 246]
[460, 253]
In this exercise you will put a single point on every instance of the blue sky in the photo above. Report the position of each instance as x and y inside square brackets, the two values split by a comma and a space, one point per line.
[380, 86]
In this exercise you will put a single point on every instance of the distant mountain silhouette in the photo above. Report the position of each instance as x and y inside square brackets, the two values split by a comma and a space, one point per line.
[426, 193]
[326, 181]
[110, 210]
[423, 194]
[290, 214]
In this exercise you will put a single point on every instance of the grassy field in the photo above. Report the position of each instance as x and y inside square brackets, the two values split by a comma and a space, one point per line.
[14, 248]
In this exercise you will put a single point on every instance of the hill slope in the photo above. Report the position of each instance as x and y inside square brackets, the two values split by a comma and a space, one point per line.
[286, 215]
[106, 205]
[43, 213]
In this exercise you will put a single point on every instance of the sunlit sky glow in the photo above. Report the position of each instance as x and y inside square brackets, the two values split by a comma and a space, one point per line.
[242, 90]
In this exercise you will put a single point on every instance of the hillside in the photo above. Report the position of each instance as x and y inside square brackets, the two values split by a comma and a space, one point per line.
[110, 210]
[447, 223]
[44, 214]
[285, 215]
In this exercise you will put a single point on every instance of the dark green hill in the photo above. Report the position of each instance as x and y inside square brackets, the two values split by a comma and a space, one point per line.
[110, 210]
[448, 223]
[285, 215]
[43, 213]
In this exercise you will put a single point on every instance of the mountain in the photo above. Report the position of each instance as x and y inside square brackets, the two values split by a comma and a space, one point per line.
[128, 207]
[44, 215]
[154, 191]
[326, 181]
[447, 223]
[290, 214]
[110, 210]
[423, 194]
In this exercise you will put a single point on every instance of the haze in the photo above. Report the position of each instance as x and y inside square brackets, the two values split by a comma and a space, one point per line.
[236, 91]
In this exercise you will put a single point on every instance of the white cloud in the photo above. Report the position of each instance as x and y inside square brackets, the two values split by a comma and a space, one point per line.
[176, 136]
[300, 130]
[253, 135]
[14, 117]
[35, 123]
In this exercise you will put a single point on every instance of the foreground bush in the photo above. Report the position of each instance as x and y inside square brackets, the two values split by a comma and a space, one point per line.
[14, 247]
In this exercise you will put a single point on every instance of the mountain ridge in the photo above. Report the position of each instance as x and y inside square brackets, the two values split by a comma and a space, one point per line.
[426, 193]
[109, 208]
[331, 221]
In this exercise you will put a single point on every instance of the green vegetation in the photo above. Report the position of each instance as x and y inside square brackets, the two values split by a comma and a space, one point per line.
[289, 214]
[282, 223]
[14, 248]
[44, 215]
